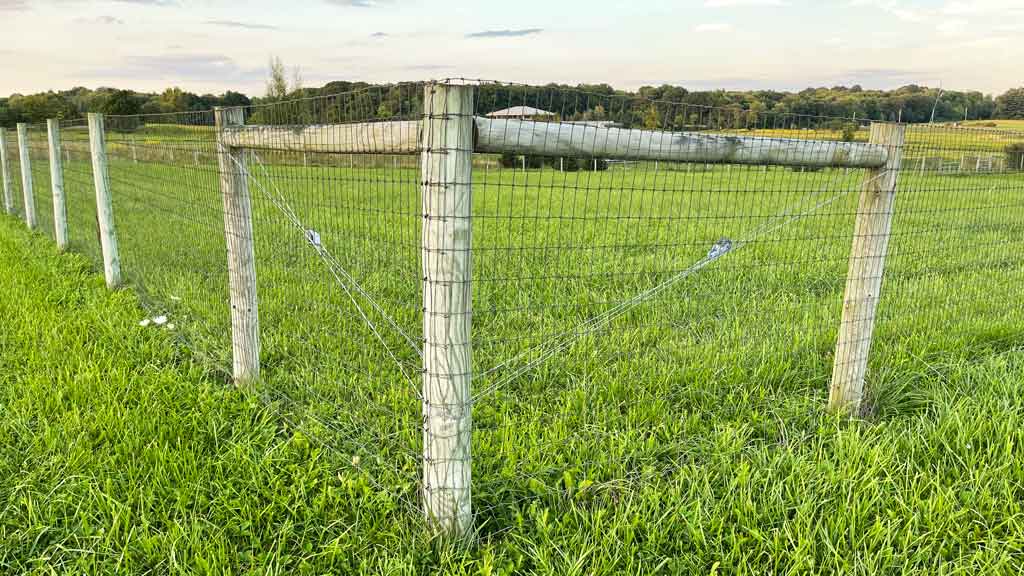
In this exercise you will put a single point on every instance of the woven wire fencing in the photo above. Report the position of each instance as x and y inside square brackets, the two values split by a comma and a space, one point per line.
[478, 297]
[79, 190]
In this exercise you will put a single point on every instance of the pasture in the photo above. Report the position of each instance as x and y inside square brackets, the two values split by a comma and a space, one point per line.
[689, 433]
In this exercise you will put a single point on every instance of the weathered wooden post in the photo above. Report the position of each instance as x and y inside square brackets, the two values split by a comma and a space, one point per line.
[447, 171]
[6, 176]
[238, 233]
[60, 220]
[864, 275]
[104, 202]
[26, 176]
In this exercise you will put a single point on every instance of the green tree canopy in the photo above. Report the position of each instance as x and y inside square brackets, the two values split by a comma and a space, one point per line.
[1011, 104]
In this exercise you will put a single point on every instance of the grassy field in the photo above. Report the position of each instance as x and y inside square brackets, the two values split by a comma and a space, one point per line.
[690, 437]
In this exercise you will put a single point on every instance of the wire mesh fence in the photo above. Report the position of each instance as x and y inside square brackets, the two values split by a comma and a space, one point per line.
[79, 190]
[582, 283]
[14, 200]
[42, 191]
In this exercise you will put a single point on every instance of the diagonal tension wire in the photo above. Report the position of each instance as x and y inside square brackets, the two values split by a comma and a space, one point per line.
[341, 276]
[561, 342]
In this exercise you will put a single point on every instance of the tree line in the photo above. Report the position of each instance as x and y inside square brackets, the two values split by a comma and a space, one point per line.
[668, 107]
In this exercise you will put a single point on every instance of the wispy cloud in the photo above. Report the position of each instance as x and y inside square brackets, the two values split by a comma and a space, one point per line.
[882, 76]
[893, 8]
[379, 35]
[237, 24]
[12, 5]
[425, 67]
[505, 33]
[734, 3]
[952, 27]
[359, 3]
[193, 67]
[150, 2]
[100, 20]
[713, 27]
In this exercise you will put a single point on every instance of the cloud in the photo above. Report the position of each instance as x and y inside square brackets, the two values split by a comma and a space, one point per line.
[889, 77]
[379, 35]
[12, 5]
[713, 28]
[100, 20]
[505, 33]
[149, 2]
[180, 67]
[891, 7]
[425, 67]
[952, 27]
[995, 7]
[245, 25]
[736, 3]
[358, 3]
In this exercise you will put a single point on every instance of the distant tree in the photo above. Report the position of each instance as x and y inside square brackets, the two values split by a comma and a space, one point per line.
[277, 84]
[121, 103]
[37, 108]
[234, 99]
[176, 100]
[1010, 105]
[849, 132]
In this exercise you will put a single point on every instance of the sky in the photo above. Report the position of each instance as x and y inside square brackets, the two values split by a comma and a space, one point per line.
[209, 46]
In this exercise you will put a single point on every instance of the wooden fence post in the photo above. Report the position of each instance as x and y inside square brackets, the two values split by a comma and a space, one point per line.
[6, 176]
[864, 275]
[447, 171]
[238, 233]
[26, 176]
[60, 220]
[104, 202]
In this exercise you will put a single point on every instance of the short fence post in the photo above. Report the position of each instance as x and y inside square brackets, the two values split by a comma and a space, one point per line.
[447, 171]
[60, 220]
[238, 233]
[104, 202]
[135, 156]
[26, 176]
[864, 275]
[6, 176]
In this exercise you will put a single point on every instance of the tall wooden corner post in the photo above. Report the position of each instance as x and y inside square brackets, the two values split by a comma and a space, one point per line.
[238, 233]
[446, 174]
[866, 268]
[26, 176]
[60, 220]
[104, 202]
[6, 173]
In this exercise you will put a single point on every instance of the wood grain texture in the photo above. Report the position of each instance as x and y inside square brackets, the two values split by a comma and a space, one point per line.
[27, 192]
[555, 139]
[104, 202]
[580, 140]
[447, 172]
[865, 271]
[238, 234]
[400, 137]
[60, 219]
[5, 173]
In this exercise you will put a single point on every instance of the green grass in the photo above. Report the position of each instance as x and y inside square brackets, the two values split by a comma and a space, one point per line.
[691, 435]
